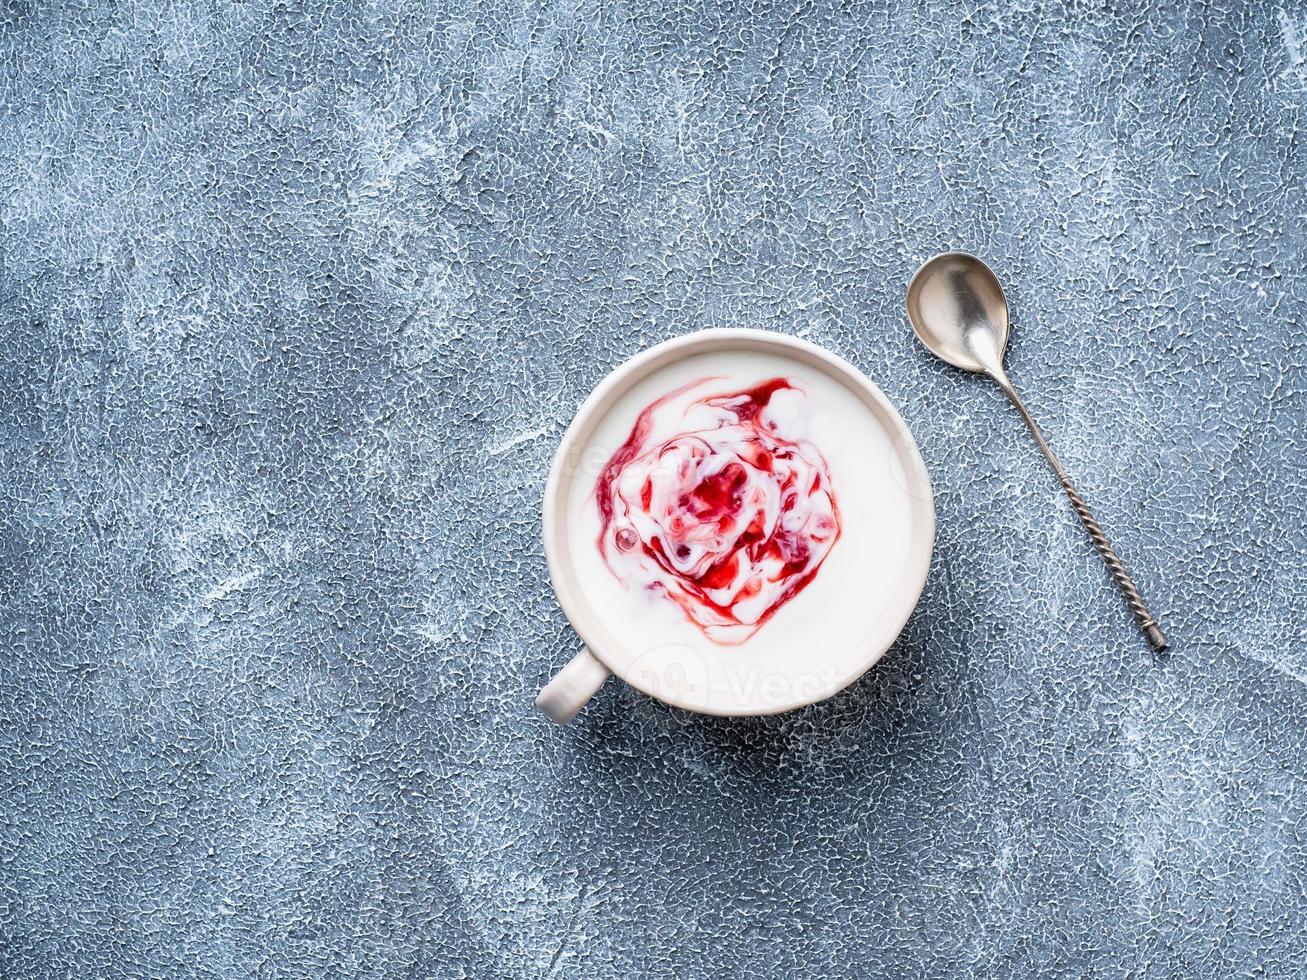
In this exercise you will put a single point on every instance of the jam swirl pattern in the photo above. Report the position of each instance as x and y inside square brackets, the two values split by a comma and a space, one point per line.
[716, 508]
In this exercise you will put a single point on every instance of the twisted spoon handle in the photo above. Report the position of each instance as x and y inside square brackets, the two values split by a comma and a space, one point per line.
[1132, 597]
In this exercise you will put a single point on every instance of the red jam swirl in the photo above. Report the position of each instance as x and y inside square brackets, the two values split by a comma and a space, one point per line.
[710, 504]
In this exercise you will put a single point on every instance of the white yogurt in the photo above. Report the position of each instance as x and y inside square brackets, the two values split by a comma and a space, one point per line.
[811, 632]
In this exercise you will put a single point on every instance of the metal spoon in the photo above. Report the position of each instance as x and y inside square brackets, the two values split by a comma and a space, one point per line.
[959, 311]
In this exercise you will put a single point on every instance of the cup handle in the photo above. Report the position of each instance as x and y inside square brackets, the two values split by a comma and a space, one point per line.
[572, 687]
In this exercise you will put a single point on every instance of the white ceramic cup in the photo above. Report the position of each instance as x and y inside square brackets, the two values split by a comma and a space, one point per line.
[680, 674]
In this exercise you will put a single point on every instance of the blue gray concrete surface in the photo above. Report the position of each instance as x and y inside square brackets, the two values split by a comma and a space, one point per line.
[296, 303]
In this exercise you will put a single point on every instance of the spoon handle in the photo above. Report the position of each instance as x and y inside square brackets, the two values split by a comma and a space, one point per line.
[1132, 597]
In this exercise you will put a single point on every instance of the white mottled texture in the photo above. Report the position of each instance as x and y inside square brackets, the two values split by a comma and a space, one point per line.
[297, 301]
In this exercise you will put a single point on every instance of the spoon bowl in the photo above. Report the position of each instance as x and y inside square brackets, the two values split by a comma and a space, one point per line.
[958, 309]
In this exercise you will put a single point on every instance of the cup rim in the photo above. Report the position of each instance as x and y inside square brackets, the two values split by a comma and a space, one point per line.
[617, 382]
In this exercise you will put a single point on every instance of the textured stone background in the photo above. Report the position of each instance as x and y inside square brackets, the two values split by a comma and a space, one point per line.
[296, 304]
